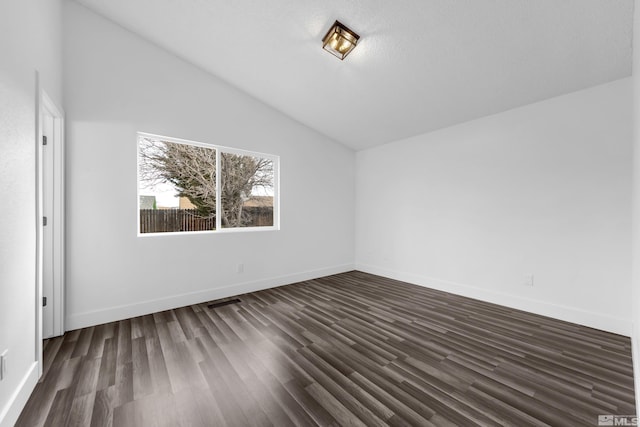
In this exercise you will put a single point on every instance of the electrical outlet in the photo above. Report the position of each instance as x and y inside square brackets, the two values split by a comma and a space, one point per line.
[240, 268]
[3, 365]
[528, 280]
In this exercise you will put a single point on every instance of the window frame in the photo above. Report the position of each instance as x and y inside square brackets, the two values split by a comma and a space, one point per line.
[219, 149]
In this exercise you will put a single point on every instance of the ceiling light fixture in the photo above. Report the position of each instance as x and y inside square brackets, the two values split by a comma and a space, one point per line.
[339, 40]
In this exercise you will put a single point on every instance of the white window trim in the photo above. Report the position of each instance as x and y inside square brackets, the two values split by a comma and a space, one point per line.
[219, 148]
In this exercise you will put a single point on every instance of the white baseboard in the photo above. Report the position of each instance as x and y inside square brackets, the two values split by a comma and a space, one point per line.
[569, 314]
[111, 314]
[18, 399]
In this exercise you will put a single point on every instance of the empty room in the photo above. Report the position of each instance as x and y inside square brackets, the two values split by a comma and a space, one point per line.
[340, 213]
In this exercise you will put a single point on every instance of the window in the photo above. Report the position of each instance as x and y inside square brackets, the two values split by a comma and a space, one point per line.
[180, 189]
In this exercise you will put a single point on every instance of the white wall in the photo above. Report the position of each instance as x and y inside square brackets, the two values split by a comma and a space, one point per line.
[30, 41]
[543, 189]
[635, 337]
[117, 84]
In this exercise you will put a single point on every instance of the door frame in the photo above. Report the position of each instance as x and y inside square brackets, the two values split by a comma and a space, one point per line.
[56, 220]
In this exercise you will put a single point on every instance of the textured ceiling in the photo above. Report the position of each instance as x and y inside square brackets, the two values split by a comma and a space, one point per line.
[420, 65]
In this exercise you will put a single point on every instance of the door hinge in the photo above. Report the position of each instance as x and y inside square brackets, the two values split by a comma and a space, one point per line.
[44, 139]
[44, 220]
[44, 301]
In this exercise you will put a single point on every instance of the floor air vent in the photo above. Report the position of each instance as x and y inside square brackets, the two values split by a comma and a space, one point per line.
[223, 303]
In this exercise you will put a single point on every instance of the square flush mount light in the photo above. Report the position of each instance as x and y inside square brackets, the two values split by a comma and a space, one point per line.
[339, 40]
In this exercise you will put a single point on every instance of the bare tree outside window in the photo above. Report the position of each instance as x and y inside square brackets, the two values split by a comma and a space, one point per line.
[244, 179]
[187, 175]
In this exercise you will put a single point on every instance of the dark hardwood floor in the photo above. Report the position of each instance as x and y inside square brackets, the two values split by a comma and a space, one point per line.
[351, 349]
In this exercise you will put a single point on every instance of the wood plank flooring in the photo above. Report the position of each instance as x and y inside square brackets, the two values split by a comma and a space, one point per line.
[351, 349]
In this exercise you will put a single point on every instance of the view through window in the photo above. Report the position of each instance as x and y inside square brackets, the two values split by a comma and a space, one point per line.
[180, 189]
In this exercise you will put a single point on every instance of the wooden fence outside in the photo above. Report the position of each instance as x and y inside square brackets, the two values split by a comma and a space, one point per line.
[173, 220]
[261, 216]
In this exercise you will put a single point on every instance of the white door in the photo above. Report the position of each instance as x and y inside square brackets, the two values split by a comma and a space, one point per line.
[52, 226]
[47, 222]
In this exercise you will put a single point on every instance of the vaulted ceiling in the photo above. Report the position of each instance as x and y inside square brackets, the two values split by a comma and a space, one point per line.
[421, 65]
